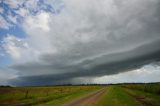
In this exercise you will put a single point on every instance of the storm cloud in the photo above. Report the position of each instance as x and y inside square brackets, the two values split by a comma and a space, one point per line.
[86, 38]
[99, 66]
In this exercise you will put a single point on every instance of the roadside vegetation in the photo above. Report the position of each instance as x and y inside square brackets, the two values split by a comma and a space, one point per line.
[145, 94]
[48, 96]
[151, 88]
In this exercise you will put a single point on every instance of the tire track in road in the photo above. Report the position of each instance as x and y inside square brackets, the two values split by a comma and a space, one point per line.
[89, 100]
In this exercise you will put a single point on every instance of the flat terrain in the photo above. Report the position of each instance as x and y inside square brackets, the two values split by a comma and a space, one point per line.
[109, 95]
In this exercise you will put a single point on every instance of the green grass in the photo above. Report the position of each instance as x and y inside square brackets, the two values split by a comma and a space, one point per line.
[151, 88]
[21, 96]
[116, 96]
[148, 98]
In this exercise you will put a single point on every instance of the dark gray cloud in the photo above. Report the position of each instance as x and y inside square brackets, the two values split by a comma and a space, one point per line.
[99, 66]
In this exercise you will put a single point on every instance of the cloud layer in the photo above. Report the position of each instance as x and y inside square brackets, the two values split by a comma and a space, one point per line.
[84, 38]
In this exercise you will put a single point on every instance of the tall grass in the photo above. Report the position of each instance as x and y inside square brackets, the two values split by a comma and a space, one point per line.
[151, 88]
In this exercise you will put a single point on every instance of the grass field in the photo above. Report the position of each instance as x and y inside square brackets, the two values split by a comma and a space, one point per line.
[114, 95]
[151, 88]
[50, 96]
[146, 94]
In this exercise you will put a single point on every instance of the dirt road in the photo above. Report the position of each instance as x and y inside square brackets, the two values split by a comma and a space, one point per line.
[89, 100]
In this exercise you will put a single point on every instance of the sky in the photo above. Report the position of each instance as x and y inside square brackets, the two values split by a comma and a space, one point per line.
[48, 42]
